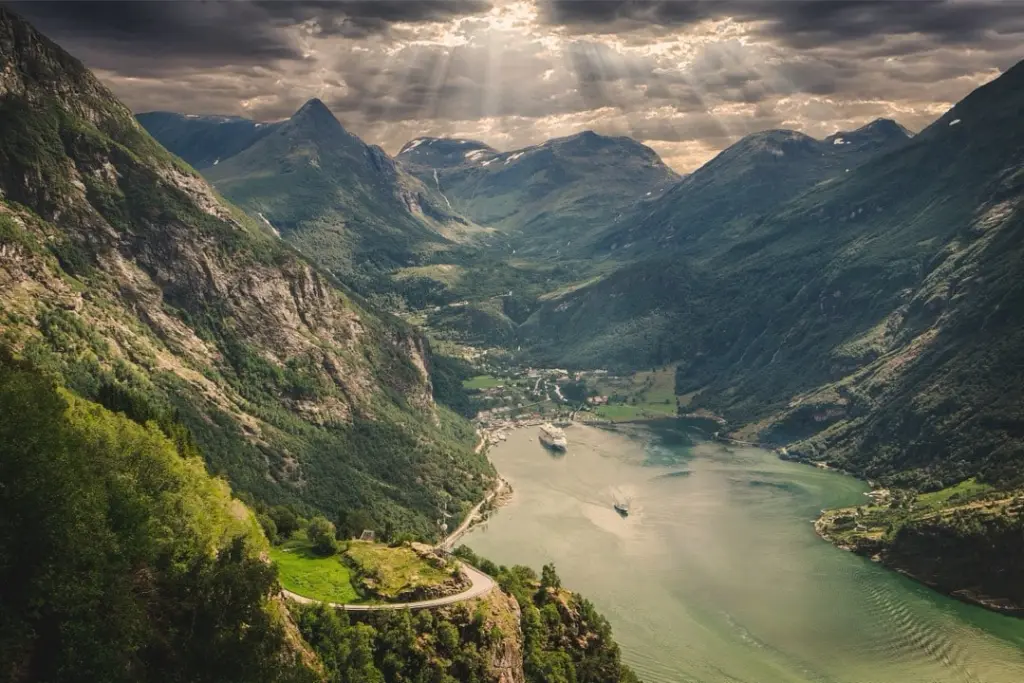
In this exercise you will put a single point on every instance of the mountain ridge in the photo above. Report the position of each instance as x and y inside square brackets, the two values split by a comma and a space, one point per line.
[745, 180]
[544, 200]
[320, 187]
[801, 309]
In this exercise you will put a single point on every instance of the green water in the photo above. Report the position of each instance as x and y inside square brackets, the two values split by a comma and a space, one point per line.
[717, 575]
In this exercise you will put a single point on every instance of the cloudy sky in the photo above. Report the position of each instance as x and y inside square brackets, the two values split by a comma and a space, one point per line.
[685, 77]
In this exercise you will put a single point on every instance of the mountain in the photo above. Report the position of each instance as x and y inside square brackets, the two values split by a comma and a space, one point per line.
[321, 188]
[877, 136]
[126, 278]
[715, 203]
[873, 320]
[544, 201]
[203, 141]
[423, 155]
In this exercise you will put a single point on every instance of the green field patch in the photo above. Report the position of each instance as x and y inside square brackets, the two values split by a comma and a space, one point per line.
[655, 386]
[305, 573]
[627, 412]
[483, 382]
[391, 572]
[961, 493]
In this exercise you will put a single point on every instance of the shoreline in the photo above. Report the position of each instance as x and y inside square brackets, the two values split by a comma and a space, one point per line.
[963, 595]
[499, 496]
[488, 437]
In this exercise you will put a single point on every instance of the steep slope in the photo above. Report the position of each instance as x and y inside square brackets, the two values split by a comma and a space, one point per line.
[343, 202]
[546, 201]
[125, 275]
[878, 315]
[716, 204]
[124, 560]
[203, 141]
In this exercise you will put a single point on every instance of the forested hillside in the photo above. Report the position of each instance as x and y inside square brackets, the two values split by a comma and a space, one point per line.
[875, 319]
[149, 331]
[121, 559]
[127, 278]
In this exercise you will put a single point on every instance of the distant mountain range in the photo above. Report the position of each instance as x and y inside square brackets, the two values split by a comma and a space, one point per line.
[781, 274]
[751, 177]
[545, 201]
[317, 185]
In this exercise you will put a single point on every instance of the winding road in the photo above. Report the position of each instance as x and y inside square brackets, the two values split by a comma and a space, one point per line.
[449, 542]
[480, 585]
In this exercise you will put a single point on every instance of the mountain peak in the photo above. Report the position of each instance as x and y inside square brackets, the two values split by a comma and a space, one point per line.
[586, 137]
[587, 141]
[316, 111]
[886, 125]
[776, 142]
[314, 104]
[875, 135]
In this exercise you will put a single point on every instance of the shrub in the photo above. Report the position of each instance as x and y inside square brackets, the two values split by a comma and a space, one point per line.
[321, 533]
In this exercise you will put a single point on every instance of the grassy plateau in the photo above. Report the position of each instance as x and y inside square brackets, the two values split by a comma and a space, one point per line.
[305, 573]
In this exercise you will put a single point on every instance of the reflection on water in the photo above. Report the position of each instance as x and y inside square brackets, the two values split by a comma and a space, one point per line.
[717, 575]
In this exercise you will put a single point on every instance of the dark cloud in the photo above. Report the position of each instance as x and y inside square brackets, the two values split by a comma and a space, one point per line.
[397, 69]
[803, 23]
[359, 18]
[582, 12]
[198, 32]
[221, 32]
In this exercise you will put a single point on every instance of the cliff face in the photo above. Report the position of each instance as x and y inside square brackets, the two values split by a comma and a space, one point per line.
[126, 276]
[504, 654]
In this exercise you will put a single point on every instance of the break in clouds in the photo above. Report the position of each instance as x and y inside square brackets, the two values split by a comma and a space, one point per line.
[686, 78]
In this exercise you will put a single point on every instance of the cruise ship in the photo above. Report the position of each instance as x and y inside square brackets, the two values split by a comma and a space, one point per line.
[553, 437]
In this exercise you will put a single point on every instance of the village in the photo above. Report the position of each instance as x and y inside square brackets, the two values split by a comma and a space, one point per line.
[508, 397]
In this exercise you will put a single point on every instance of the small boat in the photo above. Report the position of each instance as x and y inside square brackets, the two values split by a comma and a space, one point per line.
[622, 509]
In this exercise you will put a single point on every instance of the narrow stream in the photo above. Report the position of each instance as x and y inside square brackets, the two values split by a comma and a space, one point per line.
[717, 575]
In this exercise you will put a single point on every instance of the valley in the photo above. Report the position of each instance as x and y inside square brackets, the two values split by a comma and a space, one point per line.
[259, 376]
[851, 301]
